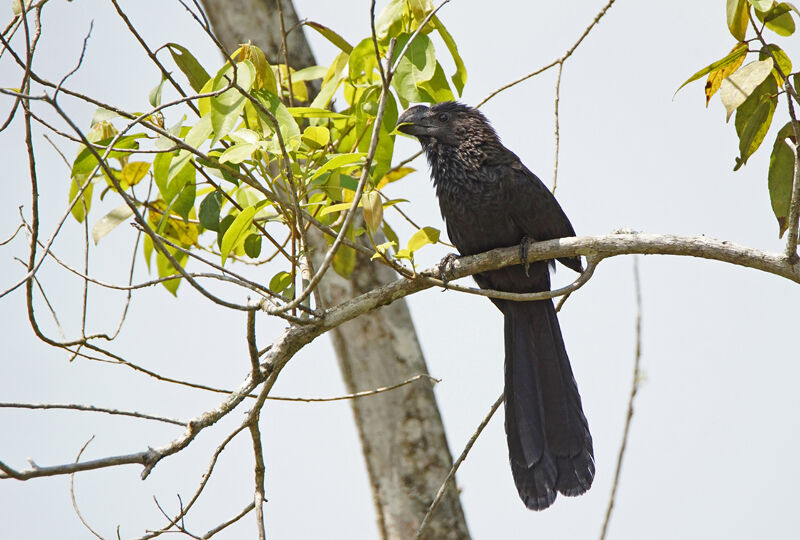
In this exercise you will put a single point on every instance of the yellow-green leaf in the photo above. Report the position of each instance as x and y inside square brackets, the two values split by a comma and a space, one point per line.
[424, 236]
[316, 137]
[738, 19]
[133, 172]
[781, 176]
[236, 231]
[78, 211]
[732, 57]
[716, 76]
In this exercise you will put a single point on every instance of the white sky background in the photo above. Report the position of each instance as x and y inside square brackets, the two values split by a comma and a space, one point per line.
[711, 450]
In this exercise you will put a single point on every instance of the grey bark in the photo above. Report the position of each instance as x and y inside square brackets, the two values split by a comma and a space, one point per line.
[401, 431]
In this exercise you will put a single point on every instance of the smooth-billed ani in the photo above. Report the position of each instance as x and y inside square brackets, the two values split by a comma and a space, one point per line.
[489, 199]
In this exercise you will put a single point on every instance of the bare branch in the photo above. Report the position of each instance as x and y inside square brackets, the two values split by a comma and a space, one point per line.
[72, 493]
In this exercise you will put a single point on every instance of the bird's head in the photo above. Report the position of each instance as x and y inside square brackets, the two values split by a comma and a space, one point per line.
[448, 123]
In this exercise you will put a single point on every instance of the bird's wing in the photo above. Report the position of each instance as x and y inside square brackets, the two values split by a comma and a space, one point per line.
[532, 206]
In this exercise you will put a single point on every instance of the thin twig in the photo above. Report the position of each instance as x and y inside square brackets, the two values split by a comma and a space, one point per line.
[557, 131]
[455, 467]
[91, 408]
[634, 389]
[72, 493]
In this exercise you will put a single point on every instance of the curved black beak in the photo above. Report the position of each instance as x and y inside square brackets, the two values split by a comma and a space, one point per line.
[411, 122]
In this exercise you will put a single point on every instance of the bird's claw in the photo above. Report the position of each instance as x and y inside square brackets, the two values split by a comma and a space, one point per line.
[523, 255]
[446, 267]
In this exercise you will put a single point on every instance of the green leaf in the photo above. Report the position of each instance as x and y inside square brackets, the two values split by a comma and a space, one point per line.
[732, 57]
[338, 161]
[78, 211]
[782, 60]
[333, 78]
[314, 112]
[424, 236]
[110, 221]
[781, 176]
[389, 21]
[417, 66]
[339, 207]
[280, 282]
[238, 153]
[184, 202]
[436, 89]
[224, 224]
[738, 19]
[762, 5]
[309, 73]
[236, 231]
[154, 97]
[778, 19]
[165, 268]
[288, 127]
[147, 250]
[381, 249]
[226, 107]
[754, 117]
[344, 262]
[390, 234]
[362, 62]
[331, 36]
[209, 211]
[459, 78]
[735, 89]
[189, 65]
[252, 245]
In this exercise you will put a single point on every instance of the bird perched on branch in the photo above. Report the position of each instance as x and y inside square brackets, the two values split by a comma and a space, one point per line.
[489, 199]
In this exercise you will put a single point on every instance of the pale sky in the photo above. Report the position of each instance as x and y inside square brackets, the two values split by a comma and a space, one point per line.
[710, 453]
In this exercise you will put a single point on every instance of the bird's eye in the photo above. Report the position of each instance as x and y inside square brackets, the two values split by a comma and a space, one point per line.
[443, 117]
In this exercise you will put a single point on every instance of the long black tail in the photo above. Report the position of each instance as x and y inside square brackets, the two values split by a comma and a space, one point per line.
[548, 437]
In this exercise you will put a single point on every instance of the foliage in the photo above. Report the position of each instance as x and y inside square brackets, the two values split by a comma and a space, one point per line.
[258, 162]
[752, 90]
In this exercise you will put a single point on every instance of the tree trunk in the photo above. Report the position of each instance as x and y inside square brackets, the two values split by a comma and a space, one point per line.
[401, 431]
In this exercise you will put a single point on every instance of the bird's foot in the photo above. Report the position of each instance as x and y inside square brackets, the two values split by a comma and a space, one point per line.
[523, 254]
[446, 267]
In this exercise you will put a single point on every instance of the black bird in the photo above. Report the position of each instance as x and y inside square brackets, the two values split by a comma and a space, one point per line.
[489, 199]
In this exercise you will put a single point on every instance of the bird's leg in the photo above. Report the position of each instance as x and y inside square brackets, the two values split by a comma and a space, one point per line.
[446, 267]
[523, 254]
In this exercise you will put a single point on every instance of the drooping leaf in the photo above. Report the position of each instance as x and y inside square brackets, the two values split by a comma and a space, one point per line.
[373, 210]
[287, 124]
[731, 58]
[459, 78]
[417, 66]
[735, 89]
[423, 237]
[165, 268]
[189, 65]
[781, 176]
[778, 18]
[330, 83]
[753, 118]
[154, 97]
[78, 211]
[110, 221]
[209, 211]
[737, 15]
[316, 137]
[782, 60]
[716, 76]
[337, 161]
[314, 112]
[309, 73]
[226, 107]
[133, 172]
[331, 36]
[236, 231]
[265, 76]
[252, 245]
